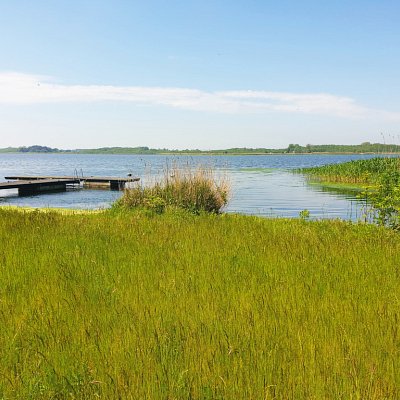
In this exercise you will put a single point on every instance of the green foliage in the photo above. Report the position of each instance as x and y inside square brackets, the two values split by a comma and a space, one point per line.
[177, 306]
[384, 198]
[195, 190]
[380, 178]
[304, 214]
[360, 171]
[155, 203]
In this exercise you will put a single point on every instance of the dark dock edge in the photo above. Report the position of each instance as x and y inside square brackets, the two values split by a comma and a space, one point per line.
[28, 185]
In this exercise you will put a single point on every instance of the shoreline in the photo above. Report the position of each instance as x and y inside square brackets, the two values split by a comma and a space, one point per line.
[201, 153]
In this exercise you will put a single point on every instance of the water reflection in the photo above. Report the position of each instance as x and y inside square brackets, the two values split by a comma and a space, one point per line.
[282, 193]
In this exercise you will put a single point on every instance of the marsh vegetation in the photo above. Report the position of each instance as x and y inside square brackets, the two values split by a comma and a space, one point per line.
[361, 172]
[193, 188]
[378, 179]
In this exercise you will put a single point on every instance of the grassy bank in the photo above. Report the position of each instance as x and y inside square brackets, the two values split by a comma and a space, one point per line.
[177, 306]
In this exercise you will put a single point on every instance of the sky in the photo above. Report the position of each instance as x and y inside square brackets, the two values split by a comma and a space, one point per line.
[198, 74]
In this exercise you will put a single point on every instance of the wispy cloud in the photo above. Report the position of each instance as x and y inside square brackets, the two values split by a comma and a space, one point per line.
[17, 88]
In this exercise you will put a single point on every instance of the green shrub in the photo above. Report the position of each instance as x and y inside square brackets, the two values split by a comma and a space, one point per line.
[384, 199]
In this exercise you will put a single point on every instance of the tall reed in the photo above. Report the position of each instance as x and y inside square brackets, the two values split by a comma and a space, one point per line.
[358, 172]
[378, 177]
[194, 188]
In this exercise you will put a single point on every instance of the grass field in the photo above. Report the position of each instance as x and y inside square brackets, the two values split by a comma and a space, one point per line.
[177, 306]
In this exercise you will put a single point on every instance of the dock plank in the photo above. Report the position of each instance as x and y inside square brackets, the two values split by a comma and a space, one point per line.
[37, 182]
[99, 179]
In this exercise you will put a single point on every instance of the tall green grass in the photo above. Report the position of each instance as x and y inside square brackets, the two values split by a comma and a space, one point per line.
[193, 188]
[378, 177]
[358, 171]
[177, 306]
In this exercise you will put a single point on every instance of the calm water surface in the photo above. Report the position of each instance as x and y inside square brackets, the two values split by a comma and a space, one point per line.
[261, 185]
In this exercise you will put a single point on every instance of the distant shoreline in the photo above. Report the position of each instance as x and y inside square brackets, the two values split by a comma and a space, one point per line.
[201, 153]
[292, 149]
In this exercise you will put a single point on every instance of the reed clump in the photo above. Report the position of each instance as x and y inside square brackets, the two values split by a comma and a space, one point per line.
[379, 179]
[355, 172]
[195, 189]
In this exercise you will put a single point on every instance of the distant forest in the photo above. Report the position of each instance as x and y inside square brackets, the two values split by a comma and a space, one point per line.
[365, 147]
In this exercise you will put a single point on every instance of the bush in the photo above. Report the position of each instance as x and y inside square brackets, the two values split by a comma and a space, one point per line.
[384, 198]
[194, 189]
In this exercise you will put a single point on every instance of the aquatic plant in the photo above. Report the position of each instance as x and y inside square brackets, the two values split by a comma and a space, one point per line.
[194, 188]
[358, 171]
[379, 179]
[384, 200]
[304, 214]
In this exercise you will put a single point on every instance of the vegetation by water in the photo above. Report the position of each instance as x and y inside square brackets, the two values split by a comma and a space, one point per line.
[365, 147]
[359, 171]
[177, 306]
[195, 189]
[378, 177]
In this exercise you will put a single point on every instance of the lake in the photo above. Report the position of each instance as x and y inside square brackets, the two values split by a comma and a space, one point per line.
[261, 185]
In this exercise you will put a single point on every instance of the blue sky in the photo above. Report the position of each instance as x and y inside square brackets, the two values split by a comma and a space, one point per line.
[209, 74]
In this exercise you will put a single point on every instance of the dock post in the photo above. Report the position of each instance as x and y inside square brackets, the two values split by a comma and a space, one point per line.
[116, 185]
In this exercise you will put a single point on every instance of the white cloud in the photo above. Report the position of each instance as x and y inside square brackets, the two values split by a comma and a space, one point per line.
[17, 88]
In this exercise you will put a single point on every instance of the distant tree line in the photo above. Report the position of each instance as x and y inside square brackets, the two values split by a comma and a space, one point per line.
[37, 149]
[365, 147]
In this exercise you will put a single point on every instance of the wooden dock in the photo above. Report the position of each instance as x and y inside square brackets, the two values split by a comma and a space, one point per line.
[29, 187]
[112, 182]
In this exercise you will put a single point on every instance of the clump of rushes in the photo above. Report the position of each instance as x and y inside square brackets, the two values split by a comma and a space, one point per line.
[195, 189]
